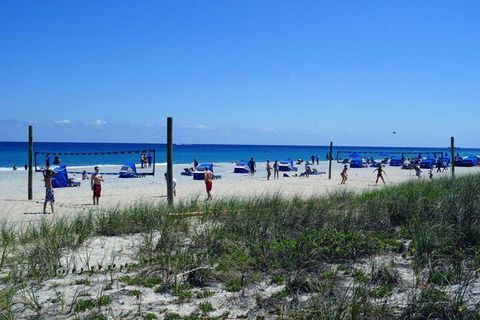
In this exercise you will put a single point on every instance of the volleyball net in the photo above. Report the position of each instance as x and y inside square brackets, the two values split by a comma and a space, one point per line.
[109, 162]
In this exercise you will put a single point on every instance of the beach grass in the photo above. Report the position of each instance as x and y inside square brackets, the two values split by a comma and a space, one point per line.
[313, 246]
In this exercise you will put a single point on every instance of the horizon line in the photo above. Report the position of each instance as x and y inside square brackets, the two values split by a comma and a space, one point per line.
[243, 144]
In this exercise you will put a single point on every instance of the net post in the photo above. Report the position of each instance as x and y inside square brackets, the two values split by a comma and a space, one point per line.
[330, 161]
[169, 161]
[30, 162]
[452, 151]
[154, 156]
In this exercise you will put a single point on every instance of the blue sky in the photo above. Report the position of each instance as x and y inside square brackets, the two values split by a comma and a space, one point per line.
[260, 72]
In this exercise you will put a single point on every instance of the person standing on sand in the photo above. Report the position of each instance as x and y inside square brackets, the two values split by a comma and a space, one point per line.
[344, 174]
[174, 185]
[195, 164]
[149, 160]
[380, 173]
[208, 183]
[251, 165]
[96, 183]
[275, 170]
[49, 195]
[313, 159]
[269, 170]
[318, 160]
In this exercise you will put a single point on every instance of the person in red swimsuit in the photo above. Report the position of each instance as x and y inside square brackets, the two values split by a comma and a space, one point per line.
[96, 182]
[208, 182]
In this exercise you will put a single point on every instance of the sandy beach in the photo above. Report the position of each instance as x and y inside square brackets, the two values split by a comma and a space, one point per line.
[15, 208]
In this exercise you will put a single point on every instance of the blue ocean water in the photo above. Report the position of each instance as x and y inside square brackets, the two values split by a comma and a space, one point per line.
[16, 153]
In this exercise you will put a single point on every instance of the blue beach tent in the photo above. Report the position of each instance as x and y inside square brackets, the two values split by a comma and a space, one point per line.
[199, 174]
[396, 162]
[241, 167]
[128, 171]
[60, 180]
[470, 161]
[428, 163]
[356, 162]
[286, 165]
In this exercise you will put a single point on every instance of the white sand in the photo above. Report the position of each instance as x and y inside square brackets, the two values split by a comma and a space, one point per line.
[14, 206]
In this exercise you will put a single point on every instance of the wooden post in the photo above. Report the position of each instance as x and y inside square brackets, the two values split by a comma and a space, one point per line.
[330, 161]
[169, 161]
[30, 163]
[452, 150]
[154, 152]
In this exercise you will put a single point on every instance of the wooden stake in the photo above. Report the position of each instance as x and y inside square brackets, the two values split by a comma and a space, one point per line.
[452, 150]
[330, 156]
[169, 161]
[30, 163]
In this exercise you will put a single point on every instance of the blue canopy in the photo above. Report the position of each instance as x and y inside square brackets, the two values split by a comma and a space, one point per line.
[60, 180]
[128, 171]
[202, 166]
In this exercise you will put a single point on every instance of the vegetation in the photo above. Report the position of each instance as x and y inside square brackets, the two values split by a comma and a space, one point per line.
[320, 245]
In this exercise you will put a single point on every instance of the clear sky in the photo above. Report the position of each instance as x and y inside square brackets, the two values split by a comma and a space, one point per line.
[254, 72]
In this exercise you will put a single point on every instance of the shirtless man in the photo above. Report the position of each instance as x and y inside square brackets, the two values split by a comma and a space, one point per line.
[344, 174]
[96, 182]
[208, 182]
[49, 195]
[269, 170]
[380, 173]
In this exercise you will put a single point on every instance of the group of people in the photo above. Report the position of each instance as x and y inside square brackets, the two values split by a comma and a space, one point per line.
[379, 170]
[95, 184]
[275, 168]
[146, 160]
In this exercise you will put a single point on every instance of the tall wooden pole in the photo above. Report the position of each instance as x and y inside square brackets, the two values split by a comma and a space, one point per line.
[452, 150]
[169, 161]
[330, 161]
[30, 163]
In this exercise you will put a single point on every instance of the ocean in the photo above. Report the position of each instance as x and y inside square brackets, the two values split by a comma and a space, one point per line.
[16, 153]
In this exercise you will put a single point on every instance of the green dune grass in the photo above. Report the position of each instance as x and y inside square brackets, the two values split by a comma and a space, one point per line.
[310, 245]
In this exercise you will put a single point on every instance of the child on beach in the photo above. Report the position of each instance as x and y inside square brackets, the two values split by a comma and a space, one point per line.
[96, 183]
[418, 172]
[344, 174]
[208, 183]
[49, 195]
[380, 173]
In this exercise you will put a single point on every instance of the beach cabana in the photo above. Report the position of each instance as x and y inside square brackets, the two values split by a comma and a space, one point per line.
[396, 162]
[286, 165]
[61, 180]
[128, 170]
[428, 163]
[241, 167]
[356, 162]
[199, 173]
[470, 161]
